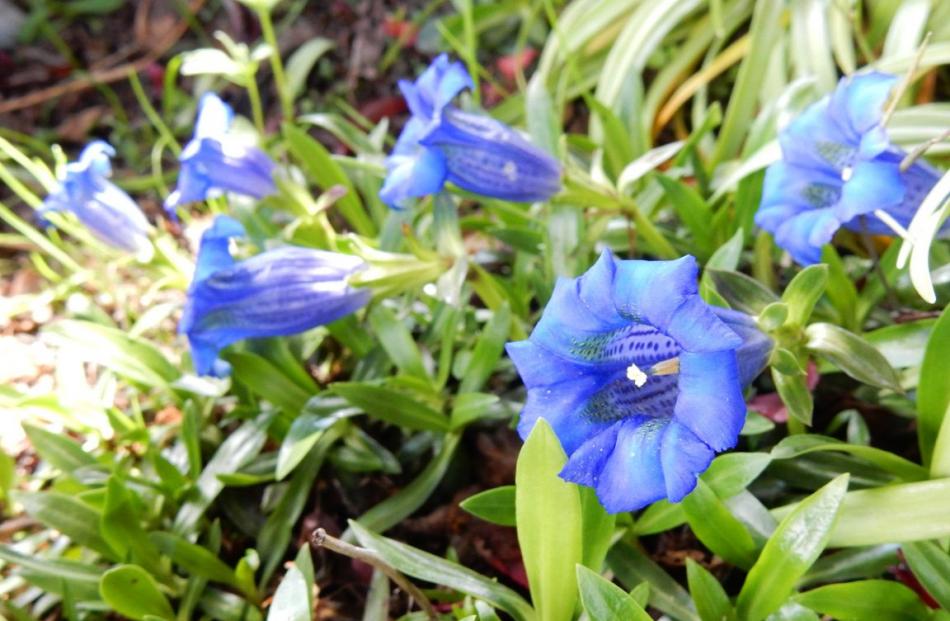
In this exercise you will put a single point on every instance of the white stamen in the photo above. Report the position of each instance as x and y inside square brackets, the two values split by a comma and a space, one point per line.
[635, 375]
[894, 225]
[846, 173]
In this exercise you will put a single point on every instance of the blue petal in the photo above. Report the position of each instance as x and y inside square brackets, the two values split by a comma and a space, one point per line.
[804, 235]
[214, 117]
[753, 354]
[813, 140]
[696, 328]
[683, 457]
[436, 87]
[487, 157]
[210, 165]
[587, 462]
[214, 253]
[632, 476]
[651, 291]
[786, 184]
[412, 176]
[873, 185]
[710, 402]
[94, 159]
[858, 101]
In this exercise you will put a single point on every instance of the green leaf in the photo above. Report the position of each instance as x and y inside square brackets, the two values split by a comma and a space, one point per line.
[401, 505]
[931, 565]
[693, 211]
[852, 354]
[793, 389]
[841, 290]
[803, 291]
[797, 542]
[237, 450]
[397, 341]
[53, 575]
[496, 505]
[488, 349]
[852, 563]
[469, 407]
[717, 528]
[548, 512]
[304, 432]
[598, 529]
[391, 406]
[632, 567]
[265, 379]
[7, 475]
[132, 358]
[881, 600]
[710, 598]
[195, 559]
[796, 445]
[291, 600]
[431, 568]
[322, 170]
[605, 601]
[68, 515]
[301, 63]
[58, 449]
[131, 592]
[121, 529]
[933, 398]
[742, 292]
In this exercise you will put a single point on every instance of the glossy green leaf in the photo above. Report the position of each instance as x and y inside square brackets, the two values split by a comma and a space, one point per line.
[797, 542]
[692, 211]
[803, 291]
[488, 349]
[717, 528]
[303, 434]
[496, 505]
[930, 562]
[742, 292]
[67, 514]
[121, 529]
[633, 567]
[424, 566]
[710, 598]
[301, 62]
[391, 406]
[320, 168]
[933, 398]
[852, 563]
[605, 601]
[548, 512]
[131, 591]
[53, 575]
[397, 341]
[882, 600]
[195, 559]
[793, 389]
[266, 379]
[291, 600]
[852, 354]
[237, 450]
[58, 449]
[801, 444]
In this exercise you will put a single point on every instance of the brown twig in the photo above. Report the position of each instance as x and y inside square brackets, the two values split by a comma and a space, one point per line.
[103, 76]
[321, 539]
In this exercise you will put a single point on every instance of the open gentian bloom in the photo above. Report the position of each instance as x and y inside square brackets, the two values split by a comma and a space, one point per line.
[102, 206]
[838, 168]
[216, 161]
[441, 143]
[639, 378]
[283, 291]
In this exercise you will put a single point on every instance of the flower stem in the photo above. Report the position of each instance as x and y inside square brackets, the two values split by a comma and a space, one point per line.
[321, 539]
[152, 115]
[257, 111]
[277, 66]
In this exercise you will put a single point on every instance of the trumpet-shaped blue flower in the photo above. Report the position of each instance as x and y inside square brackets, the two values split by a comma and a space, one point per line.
[102, 206]
[838, 167]
[278, 292]
[215, 161]
[639, 378]
[475, 152]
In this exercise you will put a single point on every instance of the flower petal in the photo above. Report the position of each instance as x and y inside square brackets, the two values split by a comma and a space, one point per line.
[710, 399]
[804, 235]
[873, 185]
[214, 117]
[696, 328]
[632, 476]
[858, 101]
[683, 457]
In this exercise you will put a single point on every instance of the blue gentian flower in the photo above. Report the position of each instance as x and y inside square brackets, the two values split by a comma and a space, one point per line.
[102, 206]
[838, 167]
[475, 152]
[639, 378]
[278, 292]
[216, 161]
